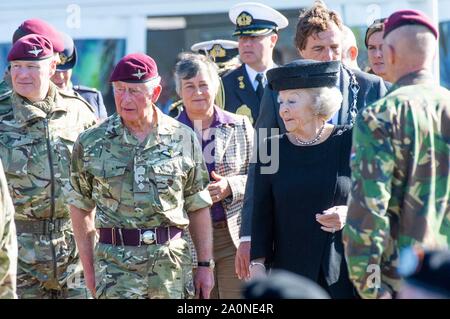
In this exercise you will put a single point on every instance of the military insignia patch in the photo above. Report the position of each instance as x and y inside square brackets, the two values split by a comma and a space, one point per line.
[217, 51]
[245, 110]
[244, 19]
[139, 74]
[35, 51]
[241, 82]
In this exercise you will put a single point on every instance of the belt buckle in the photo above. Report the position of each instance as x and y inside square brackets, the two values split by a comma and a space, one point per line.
[50, 226]
[148, 237]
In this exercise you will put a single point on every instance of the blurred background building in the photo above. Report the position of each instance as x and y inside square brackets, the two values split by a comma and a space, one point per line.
[105, 30]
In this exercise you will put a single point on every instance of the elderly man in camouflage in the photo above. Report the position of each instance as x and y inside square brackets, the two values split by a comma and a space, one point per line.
[8, 242]
[38, 126]
[144, 174]
[400, 168]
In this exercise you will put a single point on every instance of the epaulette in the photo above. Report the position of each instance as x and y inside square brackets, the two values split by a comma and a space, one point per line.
[84, 88]
[175, 105]
[176, 108]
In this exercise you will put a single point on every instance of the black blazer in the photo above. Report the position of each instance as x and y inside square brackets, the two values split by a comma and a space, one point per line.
[372, 88]
[240, 95]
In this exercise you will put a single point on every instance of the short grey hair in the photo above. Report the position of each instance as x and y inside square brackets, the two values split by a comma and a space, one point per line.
[190, 65]
[326, 101]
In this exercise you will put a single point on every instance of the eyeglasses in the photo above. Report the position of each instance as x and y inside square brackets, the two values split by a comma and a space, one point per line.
[131, 91]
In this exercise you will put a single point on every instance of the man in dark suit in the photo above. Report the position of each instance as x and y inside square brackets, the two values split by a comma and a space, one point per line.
[257, 26]
[315, 42]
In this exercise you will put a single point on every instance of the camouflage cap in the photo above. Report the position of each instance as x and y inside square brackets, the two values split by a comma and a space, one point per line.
[135, 68]
[31, 47]
[37, 26]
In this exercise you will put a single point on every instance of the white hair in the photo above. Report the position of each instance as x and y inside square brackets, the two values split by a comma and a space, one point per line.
[326, 101]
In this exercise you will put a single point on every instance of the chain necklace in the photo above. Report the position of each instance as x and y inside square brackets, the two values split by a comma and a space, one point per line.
[314, 140]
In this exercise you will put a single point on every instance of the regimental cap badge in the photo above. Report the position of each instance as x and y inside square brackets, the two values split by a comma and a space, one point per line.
[244, 19]
[217, 51]
[35, 51]
[139, 74]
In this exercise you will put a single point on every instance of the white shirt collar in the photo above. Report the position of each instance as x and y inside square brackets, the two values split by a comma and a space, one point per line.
[252, 75]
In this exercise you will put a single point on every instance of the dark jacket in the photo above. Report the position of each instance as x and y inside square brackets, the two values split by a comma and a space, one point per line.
[240, 97]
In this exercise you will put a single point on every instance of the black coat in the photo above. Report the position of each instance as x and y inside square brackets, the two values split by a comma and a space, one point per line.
[284, 227]
[372, 88]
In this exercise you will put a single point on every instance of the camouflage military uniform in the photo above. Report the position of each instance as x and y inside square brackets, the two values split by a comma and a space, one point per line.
[400, 181]
[31, 137]
[5, 90]
[8, 243]
[137, 185]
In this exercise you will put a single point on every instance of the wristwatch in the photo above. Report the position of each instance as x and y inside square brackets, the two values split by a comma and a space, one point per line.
[210, 264]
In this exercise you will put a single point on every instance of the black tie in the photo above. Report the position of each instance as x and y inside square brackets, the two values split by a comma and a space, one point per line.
[260, 87]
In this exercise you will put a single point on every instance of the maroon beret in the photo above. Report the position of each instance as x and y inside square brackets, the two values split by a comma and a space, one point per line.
[37, 26]
[31, 47]
[408, 17]
[135, 68]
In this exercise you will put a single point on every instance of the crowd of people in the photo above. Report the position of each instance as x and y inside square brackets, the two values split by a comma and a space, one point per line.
[314, 167]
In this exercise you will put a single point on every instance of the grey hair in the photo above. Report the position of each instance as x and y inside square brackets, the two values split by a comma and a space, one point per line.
[326, 101]
[190, 65]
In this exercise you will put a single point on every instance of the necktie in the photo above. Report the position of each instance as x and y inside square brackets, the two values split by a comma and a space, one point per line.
[260, 87]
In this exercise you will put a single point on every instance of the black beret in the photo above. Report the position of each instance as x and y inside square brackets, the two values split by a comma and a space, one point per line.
[302, 74]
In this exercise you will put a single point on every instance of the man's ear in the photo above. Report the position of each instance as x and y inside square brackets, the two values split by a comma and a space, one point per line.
[156, 93]
[353, 53]
[274, 39]
[52, 68]
[389, 54]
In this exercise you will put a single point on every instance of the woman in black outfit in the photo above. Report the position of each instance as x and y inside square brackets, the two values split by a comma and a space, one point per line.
[301, 208]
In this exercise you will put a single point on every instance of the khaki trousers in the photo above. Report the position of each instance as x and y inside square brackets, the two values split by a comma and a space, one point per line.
[227, 284]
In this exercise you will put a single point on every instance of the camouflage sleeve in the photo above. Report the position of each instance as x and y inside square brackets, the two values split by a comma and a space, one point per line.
[8, 242]
[367, 229]
[196, 195]
[81, 181]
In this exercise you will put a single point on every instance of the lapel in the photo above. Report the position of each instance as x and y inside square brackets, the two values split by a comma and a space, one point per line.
[247, 95]
[344, 85]
[223, 136]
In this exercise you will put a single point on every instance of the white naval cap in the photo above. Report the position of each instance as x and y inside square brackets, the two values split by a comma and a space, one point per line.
[253, 19]
[219, 50]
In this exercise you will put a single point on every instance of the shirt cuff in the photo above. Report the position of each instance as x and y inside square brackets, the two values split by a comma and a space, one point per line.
[245, 239]
[80, 201]
[197, 201]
